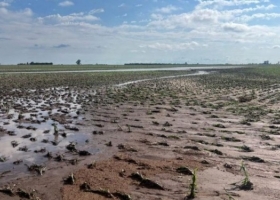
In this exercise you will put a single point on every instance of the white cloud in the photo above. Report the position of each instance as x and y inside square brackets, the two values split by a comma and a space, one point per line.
[74, 17]
[203, 15]
[95, 11]
[235, 27]
[276, 47]
[4, 4]
[168, 9]
[66, 3]
[218, 4]
[7, 15]
[3, 11]
[173, 47]
[186, 20]
[27, 11]
[250, 9]
[121, 5]
[157, 16]
[137, 51]
[266, 16]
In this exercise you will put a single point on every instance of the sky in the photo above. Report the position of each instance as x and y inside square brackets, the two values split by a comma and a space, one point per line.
[139, 31]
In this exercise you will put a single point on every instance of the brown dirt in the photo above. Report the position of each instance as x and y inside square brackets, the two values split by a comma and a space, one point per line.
[114, 175]
[156, 149]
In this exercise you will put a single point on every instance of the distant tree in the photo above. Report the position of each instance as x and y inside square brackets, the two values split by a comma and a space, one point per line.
[78, 62]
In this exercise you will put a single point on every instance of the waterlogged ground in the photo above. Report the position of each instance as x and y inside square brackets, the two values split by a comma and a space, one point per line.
[43, 122]
[144, 139]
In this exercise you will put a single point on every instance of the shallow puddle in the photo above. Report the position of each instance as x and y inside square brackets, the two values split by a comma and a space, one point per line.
[44, 122]
[164, 77]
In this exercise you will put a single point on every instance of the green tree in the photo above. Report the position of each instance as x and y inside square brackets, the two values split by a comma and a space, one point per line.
[78, 62]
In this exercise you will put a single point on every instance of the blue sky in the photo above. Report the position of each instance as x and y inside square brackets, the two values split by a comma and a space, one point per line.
[122, 31]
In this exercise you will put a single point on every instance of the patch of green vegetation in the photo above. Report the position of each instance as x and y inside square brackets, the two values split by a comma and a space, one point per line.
[267, 71]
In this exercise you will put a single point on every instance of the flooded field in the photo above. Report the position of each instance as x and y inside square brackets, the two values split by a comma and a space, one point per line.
[141, 136]
[40, 125]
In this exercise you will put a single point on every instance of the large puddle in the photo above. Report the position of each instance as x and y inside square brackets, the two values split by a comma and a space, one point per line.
[38, 122]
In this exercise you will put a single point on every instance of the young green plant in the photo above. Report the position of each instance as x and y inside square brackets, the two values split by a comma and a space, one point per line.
[55, 129]
[193, 185]
[246, 183]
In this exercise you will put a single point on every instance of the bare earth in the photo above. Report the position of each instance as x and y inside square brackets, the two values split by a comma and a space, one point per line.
[156, 128]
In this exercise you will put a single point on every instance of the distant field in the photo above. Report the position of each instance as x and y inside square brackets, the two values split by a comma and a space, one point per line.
[42, 68]
[271, 70]
[25, 68]
[47, 80]
[34, 68]
[241, 76]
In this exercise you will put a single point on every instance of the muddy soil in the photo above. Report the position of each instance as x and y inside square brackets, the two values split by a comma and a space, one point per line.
[146, 140]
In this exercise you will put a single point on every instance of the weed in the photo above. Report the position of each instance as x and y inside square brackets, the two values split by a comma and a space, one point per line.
[245, 98]
[254, 159]
[3, 159]
[120, 128]
[240, 132]
[219, 125]
[246, 183]
[173, 137]
[245, 122]
[55, 129]
[193, 185]
[155, 123]
[149, 112]
[167, 124]
[229, 196]
[265, 137]
[128, 127]
[216, 151]
[20, 116]
[231, 139]
[245, 148]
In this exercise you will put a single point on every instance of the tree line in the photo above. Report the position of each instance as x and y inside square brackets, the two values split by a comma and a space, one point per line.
[36, 63]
